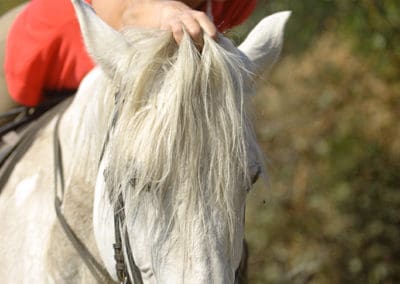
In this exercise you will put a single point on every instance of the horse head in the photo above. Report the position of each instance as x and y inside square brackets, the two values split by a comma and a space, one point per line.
[176, 146]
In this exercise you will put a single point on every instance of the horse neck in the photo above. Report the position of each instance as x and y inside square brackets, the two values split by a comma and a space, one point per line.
[82, 133]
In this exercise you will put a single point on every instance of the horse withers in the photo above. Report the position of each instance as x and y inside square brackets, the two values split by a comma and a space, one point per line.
[161, 129]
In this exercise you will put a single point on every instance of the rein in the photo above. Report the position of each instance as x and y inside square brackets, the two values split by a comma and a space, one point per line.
[97, 270]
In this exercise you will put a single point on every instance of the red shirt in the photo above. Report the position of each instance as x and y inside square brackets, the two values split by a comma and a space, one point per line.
[45, 51]
[230, 13]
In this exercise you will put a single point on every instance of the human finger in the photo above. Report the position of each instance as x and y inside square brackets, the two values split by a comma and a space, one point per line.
[176, 27]
[193, 28]
[206, 24]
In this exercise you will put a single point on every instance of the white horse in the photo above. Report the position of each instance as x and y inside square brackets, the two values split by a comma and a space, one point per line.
[162, 128]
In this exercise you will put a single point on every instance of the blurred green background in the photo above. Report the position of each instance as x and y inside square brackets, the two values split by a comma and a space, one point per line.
[327, 118]
[6, 5]
[328, 121]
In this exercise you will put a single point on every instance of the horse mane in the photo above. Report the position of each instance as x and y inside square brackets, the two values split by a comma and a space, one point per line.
[172, 124]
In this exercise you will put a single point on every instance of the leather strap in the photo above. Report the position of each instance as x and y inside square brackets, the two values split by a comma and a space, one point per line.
[119, 220]
[122, 271]
[12, 153]
[24, 115]
[97, 270]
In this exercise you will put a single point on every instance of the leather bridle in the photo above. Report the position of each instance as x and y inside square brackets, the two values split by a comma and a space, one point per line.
[121, 266]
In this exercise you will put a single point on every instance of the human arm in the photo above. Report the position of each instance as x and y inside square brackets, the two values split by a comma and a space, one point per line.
[158, 14]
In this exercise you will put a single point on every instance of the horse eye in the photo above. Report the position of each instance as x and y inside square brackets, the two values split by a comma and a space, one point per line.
[255, 177]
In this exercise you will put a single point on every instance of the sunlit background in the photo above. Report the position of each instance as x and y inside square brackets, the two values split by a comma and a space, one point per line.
[328, 121]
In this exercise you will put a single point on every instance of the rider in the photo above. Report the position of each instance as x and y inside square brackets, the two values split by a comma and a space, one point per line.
[45, 53]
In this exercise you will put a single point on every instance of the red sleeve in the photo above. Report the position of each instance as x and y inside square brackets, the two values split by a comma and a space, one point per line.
[45, 51]
[23, 62]
[230, 13]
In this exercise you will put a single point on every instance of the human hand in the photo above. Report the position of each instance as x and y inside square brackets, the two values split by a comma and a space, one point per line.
[174, 16]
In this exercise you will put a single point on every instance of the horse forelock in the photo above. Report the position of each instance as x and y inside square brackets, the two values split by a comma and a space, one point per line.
[181, 133]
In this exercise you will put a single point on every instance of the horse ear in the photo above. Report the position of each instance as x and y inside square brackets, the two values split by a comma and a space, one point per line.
[264, 43]
[105, 45]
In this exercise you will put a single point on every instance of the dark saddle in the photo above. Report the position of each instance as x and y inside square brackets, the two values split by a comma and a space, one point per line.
[18, 131]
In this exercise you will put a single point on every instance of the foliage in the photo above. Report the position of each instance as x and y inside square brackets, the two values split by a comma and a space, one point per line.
[7, 5]
[373, 27]
[328, 124]
[327, 119]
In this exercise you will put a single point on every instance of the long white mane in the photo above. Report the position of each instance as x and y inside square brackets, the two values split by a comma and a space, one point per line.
[176, 128]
